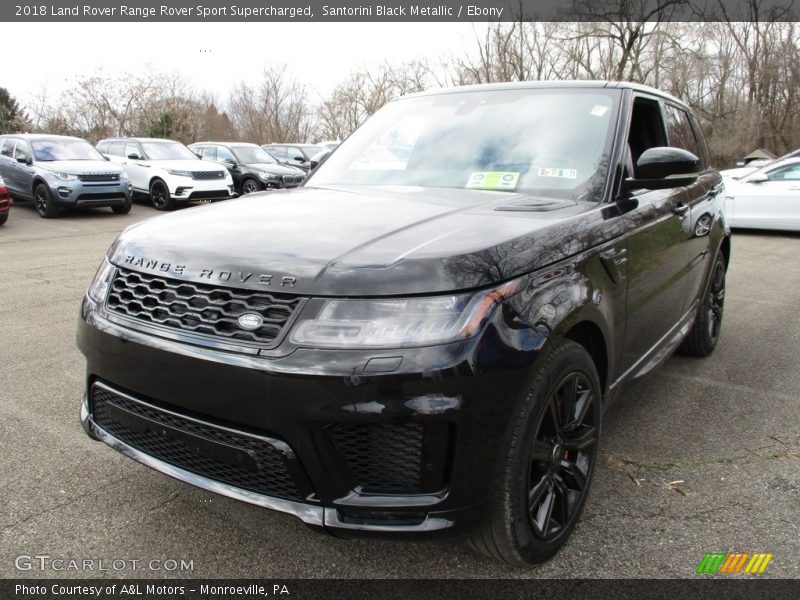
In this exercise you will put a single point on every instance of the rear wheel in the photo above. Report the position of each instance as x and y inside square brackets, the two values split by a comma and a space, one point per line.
[548, 461]
[3, 218]
[704, 335]
[249, 186]
[43, 201]
[159, 196]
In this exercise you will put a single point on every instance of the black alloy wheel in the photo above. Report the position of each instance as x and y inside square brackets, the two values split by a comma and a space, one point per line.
[704, 335]
[249, 186]
[43, 201]
[159, 196]
[562, 457]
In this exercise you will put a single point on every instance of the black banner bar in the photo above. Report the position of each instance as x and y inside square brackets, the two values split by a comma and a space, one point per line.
[397, 10]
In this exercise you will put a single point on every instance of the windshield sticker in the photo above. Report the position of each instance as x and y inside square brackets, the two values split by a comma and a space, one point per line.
[599, 110]
[560, 173]
[493, 180]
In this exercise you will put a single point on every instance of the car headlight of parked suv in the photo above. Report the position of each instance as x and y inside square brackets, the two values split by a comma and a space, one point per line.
[65, 176]
[179, 172]
[269, 177]
[399, 322]
[98, 289]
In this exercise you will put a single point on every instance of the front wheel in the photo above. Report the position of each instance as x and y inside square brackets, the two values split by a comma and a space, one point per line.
[3, 218]
[704, 335]
[43, 201]
[547, 464]
[249, 186]
[159, 196]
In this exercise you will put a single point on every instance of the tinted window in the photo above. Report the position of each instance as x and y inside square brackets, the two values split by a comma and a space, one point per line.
[701, 139]
[7, 147]
[223, 154]
[23, 150]
[167, 151]
[116, 148]
[679, 129]
[294, 153]
[210, 152]
[132, 148]
[787, 173]
[277, 151]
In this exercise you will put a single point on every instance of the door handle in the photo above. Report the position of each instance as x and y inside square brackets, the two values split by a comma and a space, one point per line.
[613, 262]
[681, 209]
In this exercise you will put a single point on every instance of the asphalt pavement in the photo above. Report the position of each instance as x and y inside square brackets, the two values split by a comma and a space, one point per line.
[701, 456]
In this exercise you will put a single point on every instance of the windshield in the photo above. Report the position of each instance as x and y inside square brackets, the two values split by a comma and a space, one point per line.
[50, 150]
[252, 154]
[167, 151]
[543, 141]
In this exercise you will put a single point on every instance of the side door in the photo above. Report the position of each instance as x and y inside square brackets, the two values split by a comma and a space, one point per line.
[22, 169]
[657, 250]
[770, 203]
[701, 199]
[136, 167]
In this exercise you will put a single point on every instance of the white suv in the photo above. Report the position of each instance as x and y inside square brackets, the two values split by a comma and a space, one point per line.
[167, 171]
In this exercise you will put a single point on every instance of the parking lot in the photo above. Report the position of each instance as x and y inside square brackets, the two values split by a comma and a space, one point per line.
[701, 456]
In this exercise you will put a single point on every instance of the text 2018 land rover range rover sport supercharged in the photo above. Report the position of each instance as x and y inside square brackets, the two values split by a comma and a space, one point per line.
[422, 338]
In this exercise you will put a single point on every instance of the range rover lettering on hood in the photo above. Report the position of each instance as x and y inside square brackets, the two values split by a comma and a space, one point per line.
[215, 275]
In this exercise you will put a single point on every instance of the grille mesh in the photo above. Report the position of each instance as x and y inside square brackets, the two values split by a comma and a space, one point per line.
[202, 175]
[199, 308]
[272, 478]
[383, 457]
[99, 177]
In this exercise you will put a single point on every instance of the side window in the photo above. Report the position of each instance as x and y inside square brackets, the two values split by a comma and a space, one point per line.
[7, 148]
[646, 130]
[705, 154]
[224, 155]
[277, 151]
[786, 173]
[294, 153]
[116, 148]
[23, 150]
[210, 152]
[132, 148]
[681, 134]
[197, 149]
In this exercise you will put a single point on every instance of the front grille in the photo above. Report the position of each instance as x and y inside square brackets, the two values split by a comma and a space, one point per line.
[153, 431]
[99, 177]
[199, 308]
[101, 197]
[289, 179]
[209, 195]
[203, 175]
[383, 457]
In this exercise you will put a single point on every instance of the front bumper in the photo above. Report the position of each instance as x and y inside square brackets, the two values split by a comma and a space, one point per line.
[458, 396]
[78, 194]
[188, 189]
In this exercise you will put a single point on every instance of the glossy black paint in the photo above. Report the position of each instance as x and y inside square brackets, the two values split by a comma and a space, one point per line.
[622, 277]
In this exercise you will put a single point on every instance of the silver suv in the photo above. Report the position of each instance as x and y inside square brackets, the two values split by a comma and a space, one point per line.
[59, 172]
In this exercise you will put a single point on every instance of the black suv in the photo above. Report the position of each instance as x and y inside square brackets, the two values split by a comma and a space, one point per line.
[422, 339]
[251, 168]
[301, 156]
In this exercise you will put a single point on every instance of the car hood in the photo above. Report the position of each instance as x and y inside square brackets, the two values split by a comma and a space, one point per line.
[80, 167]
[271, 169]
[363, 241]
[186, 165]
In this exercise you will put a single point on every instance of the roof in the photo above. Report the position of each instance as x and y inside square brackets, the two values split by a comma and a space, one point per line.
[43, 136]
[225, 143]
[136, 139]
[552, 84]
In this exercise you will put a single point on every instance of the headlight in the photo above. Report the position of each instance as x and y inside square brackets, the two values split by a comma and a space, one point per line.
[65, 176]
[179, 173]
[399, 322]
[268, 176]
[98, 289]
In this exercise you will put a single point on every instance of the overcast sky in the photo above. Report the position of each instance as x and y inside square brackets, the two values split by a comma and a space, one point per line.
[320, 54]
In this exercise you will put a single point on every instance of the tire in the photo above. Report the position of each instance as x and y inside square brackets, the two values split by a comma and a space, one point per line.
[3, 218]
[249, 185]
[704, 335]
[43, 202]
[159, 195]
[546, 467]
[124, 209]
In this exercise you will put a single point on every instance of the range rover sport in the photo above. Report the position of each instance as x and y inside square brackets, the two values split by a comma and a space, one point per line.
[419, 342]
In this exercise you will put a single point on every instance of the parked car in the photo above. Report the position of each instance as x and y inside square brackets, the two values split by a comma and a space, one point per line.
[768, 198]
[167, 171]
[251, 168]
[425, 350]
[302, 156]
[5, 202]
[59, 173]
[329, 144]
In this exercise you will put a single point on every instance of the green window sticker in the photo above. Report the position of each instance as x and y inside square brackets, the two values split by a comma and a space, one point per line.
[493, 180]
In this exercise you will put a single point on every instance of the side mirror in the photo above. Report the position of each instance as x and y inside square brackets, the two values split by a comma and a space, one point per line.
[758, 178]
[231, 164]
[134, 156]
[664, 168]
[299, 159]
[25, 160]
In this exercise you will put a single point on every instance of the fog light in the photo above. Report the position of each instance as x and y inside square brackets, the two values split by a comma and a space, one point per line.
[64, 191]
[181, 191]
